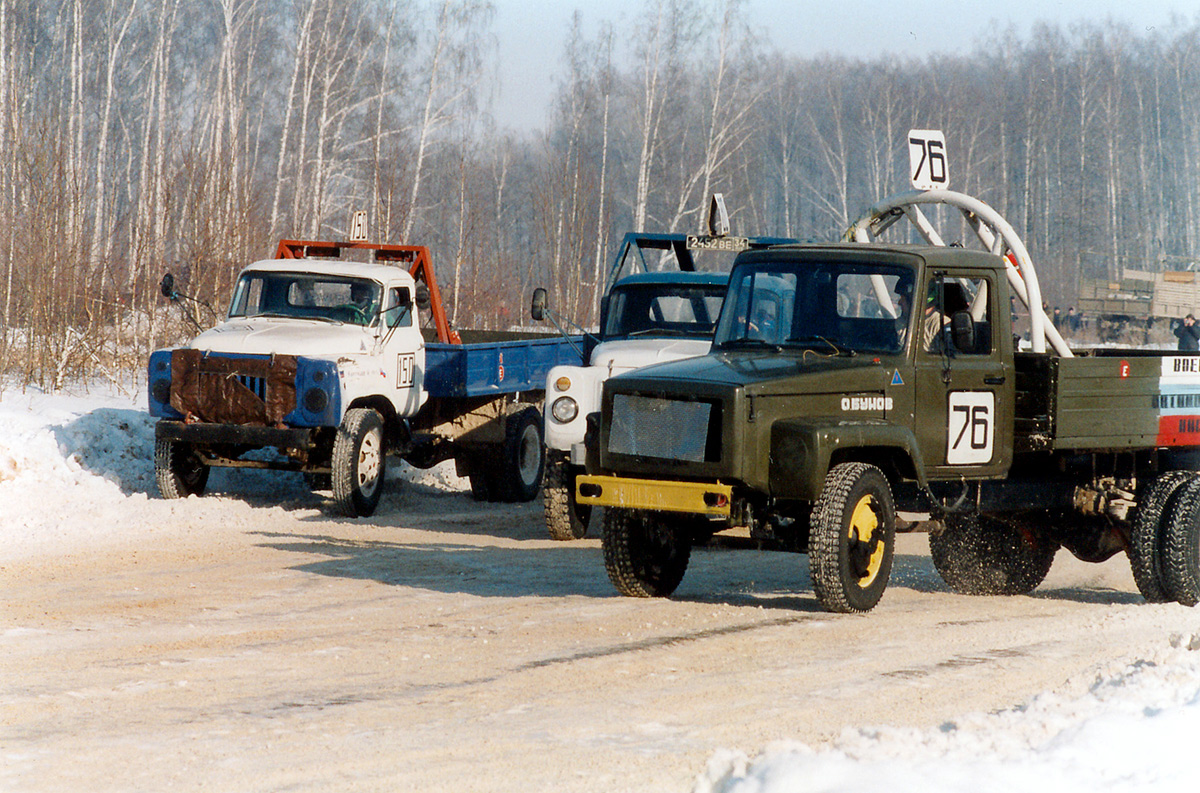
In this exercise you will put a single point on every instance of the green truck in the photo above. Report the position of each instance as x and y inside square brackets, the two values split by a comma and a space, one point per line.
[850, 382]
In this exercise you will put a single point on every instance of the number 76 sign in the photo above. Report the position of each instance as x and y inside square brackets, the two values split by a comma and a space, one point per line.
[927, 159]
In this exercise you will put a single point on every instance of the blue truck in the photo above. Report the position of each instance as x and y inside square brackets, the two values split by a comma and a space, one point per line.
[326, 361]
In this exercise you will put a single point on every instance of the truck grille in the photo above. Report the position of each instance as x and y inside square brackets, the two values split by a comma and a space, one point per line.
[233, 389]
[255, 385]
[670, 429]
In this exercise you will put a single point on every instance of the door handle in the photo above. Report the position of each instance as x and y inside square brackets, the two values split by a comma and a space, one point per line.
[994, 379]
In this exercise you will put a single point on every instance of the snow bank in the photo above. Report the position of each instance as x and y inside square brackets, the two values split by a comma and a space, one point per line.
[75, 470]
[1134, 730]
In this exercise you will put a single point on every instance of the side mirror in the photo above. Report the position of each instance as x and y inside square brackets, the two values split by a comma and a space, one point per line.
[537, 307]
[422, 298]
[167, 286]
[962, 331]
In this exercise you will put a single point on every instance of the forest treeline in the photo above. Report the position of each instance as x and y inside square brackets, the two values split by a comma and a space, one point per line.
[145, 135]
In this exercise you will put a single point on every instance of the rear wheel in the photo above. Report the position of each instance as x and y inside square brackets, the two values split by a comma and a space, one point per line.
[522, 457]
[1148, 530]
[178, 469]
[982, 555]
[482, 477]
[852, 538]
[645, 556]
[566, 519]
[358, 463]
[1181, 547]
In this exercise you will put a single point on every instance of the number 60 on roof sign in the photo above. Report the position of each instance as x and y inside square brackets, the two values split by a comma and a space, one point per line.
[927, 159]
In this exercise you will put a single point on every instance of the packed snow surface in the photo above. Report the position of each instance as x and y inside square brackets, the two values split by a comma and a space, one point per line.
[1133, 729]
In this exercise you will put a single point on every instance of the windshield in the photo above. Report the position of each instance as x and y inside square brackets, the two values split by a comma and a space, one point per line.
[835, 306]
[331, 298]
[663, 310]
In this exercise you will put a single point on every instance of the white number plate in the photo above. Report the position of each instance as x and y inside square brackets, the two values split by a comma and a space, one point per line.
[971, 427]
[406, 364]
[927, 159]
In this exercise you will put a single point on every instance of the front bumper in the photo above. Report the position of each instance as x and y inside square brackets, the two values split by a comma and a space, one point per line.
[235, 434]
[701, 498]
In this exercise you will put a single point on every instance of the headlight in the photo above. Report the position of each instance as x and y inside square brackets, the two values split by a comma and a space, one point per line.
[161, 391]
[564, 410]
[316, 400]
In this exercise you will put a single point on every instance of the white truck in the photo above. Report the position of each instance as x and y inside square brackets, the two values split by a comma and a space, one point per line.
[646, 317]
[325, 362]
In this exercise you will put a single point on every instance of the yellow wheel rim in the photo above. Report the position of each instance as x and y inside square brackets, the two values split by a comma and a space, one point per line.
[863, 523]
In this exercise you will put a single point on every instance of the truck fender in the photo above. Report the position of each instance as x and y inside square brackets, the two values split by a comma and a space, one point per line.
[581, 384]
[804, 449]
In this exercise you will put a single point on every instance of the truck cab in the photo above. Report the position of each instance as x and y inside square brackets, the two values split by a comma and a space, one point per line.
[827, 361]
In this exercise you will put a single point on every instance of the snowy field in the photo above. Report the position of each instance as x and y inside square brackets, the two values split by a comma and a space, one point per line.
[1134, 729]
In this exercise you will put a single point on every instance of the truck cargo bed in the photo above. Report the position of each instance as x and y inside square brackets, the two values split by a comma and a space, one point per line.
[487, 368]
[1108, 399]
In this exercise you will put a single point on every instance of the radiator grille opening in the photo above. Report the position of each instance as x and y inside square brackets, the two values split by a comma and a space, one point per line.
[669, 429]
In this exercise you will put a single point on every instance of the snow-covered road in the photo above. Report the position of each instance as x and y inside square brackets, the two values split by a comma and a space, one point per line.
[247, 641]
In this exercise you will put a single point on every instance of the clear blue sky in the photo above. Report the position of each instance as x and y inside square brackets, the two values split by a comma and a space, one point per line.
[531, 33]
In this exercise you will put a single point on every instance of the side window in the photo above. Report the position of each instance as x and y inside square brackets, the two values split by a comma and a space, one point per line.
[958, 316]
[399, 308]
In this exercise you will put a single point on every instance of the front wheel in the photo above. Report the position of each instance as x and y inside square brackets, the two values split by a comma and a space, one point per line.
[566, 518]
[644, 554]
[358, 463]
[982, 555]
[852, 538]
[178, 469]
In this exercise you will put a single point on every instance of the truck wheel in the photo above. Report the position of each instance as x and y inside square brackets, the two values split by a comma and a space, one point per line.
[483, 486]
[852, 538]
[980, 555]
[644, 555]
[358, 462]
[1180, 551]
[178, 470]
[1146, 535]
[317, 482]
[522, 457]
[565, 518]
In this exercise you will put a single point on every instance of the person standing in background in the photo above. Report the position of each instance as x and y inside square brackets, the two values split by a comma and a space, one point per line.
[1189, 334]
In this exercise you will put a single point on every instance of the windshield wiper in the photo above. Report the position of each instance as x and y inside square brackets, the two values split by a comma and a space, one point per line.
[749, 342]
[277, 315]
[816, 341]
[664, 332]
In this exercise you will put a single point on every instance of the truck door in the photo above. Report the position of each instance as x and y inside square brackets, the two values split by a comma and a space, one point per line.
[404, 350]
[964, 378]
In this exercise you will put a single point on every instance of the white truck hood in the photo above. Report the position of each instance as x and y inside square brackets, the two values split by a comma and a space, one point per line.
[623, 356]
[284, 337]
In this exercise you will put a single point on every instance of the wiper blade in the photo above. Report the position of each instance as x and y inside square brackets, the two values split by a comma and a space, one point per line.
[665, 332]
[748, 342]
[817, 341]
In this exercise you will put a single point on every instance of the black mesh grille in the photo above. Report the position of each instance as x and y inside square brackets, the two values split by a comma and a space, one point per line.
[670, 429]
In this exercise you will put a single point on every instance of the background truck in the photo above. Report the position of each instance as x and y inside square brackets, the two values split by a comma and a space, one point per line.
[652, 311]
[325, 362]
[1139, 301]
[884, 378]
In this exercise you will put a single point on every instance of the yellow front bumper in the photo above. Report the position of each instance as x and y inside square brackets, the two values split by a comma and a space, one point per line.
[702, 498]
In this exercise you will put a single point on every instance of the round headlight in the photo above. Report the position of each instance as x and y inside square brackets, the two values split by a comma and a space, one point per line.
[160, 389]
[564, 410]
[562, 383]
[316, 400]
